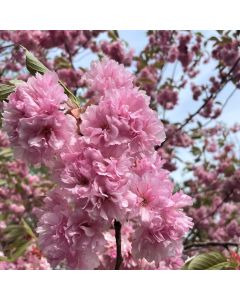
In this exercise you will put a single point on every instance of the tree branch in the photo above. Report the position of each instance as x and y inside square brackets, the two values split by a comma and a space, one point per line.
[119, 259]
[210, 244]
[7, 46]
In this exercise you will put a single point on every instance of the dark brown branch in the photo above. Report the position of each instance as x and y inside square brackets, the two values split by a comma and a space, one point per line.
[210, 244]
[117, 227]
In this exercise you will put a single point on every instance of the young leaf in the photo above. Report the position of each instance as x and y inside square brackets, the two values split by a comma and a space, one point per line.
[207, 261]
[5, 91]
[62, 63]
[34, 65]
[19, 252]
[70, 95]
[113, 34]
[224, 265]
[28, 229]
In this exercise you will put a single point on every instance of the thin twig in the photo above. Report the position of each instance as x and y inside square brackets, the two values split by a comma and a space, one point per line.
[210, 244]
[7, 46]
[223, 106]
[117, 227]
[222, 84]
[228, 98]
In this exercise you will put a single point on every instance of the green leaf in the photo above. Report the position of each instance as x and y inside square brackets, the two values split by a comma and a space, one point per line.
[229, 170]
[28, 229]
[5, 91]
[16, 82]
[34, 65]
[113, 34]
[62, 63]
[226, 40]
[19, 252]
[224, 265]
[6, 153]
[207, 261]
[199, 34]
[186, 265]
[70, 95]
[196, 150]
[213, 38]
[3, 182]
[196, 136]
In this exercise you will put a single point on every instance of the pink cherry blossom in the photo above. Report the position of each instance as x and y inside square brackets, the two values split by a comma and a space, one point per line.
[106, 75]
[123, 120]
[99, 184]
[167, 98]
[67, 233]
[34, 120]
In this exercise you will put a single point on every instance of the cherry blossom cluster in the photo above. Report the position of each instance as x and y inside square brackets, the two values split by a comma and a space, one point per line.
[117, 51]
[105, 169]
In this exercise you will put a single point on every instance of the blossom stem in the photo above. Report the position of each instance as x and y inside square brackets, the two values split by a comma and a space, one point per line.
[117, 227]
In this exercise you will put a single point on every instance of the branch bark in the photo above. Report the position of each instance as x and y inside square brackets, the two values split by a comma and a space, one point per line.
[119, 259]
[210, 244]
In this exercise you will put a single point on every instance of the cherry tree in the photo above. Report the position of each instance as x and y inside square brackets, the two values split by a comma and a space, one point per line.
[108, 144]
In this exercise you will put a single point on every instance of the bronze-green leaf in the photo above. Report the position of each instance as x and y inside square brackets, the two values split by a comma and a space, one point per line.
[207, 261]
[5, 91]
[34, 65]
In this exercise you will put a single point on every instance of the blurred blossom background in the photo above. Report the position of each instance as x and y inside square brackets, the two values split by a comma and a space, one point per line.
[192, 79]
